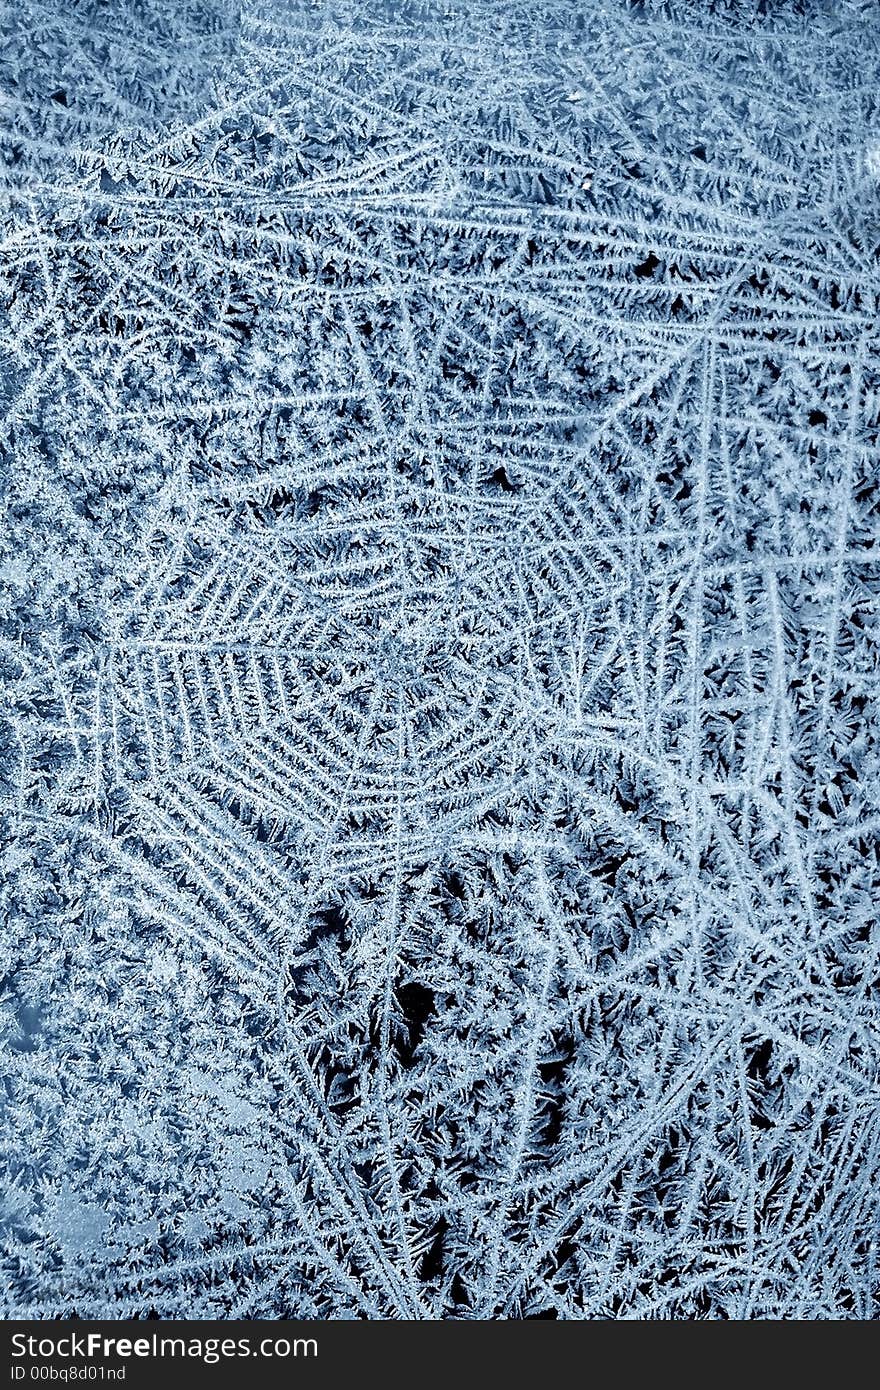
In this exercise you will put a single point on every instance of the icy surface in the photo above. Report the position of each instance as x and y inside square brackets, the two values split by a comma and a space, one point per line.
[439, 659]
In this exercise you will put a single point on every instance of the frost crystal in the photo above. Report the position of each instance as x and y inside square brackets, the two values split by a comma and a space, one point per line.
[438, 639]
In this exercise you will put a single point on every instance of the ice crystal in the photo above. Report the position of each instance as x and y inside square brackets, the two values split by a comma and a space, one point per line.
[439, 653]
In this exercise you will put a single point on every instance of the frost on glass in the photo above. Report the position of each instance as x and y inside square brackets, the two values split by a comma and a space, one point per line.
[439, 659]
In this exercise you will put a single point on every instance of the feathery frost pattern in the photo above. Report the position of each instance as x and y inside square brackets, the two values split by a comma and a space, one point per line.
[439, 659]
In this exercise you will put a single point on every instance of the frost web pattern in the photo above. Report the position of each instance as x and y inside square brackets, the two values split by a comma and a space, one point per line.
[439, 654]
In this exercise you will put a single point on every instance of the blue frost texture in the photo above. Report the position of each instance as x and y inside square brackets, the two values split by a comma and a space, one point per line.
[439, 659]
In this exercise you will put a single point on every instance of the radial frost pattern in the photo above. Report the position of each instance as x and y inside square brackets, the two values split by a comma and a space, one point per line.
[439, 659]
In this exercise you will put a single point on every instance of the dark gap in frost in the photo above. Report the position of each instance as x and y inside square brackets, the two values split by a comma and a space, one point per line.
[433, 1258]
[417, 1004]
